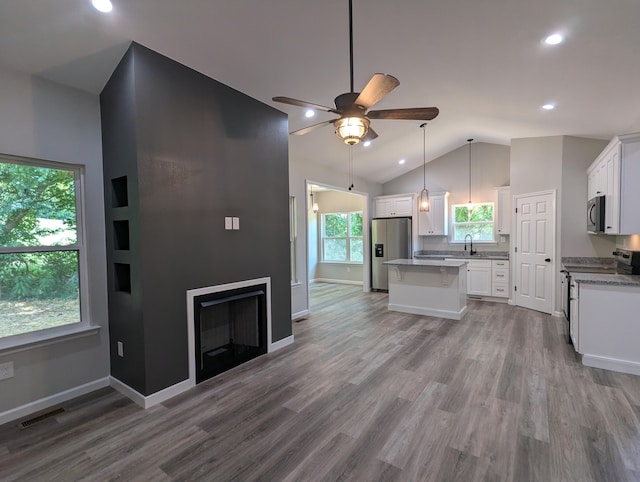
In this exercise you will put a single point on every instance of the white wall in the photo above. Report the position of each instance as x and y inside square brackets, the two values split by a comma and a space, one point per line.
[299, 173]
[43, 120]
[577, 154]
[450, 172]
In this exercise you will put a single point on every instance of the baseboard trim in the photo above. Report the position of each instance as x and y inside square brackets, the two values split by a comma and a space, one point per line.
[147, 401]
[337, 281]
[50, 401]
[277, 345]
[300, 315]
[417, 310]
[624, 366]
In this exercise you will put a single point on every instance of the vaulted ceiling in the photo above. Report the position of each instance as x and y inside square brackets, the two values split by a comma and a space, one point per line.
[482, 63]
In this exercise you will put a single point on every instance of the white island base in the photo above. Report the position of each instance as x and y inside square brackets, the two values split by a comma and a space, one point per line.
[428, 287]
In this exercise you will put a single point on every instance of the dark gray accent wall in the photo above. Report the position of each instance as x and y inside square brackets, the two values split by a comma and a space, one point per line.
[194, 151]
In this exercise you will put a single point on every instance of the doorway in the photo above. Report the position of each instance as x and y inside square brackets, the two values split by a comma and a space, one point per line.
[534, 252]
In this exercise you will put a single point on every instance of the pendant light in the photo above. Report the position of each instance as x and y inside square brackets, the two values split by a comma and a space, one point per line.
[314, 205]
[470, 205]
[424, 203]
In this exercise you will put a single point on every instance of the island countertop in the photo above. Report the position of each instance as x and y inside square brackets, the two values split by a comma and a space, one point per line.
[426, 262]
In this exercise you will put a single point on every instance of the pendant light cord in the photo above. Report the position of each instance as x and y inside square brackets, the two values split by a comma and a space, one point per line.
[469, 141]
[424, 156]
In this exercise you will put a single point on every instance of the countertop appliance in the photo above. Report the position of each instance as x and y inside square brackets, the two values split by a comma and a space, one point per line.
[595, 215]
[626, 262]
[390, 239]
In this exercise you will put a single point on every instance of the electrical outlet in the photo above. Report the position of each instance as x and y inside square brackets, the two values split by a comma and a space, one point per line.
[120, 346]
[6, 370]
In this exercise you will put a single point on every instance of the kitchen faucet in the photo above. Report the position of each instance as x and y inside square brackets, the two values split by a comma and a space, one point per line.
[471, 252]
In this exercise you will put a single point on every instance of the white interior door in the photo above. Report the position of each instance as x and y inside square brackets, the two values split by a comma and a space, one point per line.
[534, 252]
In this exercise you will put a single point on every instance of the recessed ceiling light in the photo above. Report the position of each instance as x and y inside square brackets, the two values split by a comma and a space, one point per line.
[366, 143]
[401, 161]
[309, 113]
[549, 106]
[104, 6]
[554, 39]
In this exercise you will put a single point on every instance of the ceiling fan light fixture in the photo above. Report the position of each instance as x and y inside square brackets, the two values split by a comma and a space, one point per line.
[351, 129]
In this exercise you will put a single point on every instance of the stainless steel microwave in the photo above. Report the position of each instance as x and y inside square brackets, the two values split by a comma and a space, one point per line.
[595, 215]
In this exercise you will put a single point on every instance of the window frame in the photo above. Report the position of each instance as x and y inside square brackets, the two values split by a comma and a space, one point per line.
[452, 231]
[348, 237]
[293, 240]
[37, 337]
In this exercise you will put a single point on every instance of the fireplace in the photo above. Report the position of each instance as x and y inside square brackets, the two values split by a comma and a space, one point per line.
[229, 325]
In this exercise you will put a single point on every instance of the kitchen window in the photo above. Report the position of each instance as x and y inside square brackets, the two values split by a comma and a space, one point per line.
[41, 247]
[342, 237]
[476, 220]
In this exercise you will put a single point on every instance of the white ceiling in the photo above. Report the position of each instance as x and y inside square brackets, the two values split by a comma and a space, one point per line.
[482, 63]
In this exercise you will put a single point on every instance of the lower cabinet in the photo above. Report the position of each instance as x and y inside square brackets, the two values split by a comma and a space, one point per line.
[479, 278]
[500, 278]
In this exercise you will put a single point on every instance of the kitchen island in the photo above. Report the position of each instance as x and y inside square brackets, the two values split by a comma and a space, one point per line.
[428, 287]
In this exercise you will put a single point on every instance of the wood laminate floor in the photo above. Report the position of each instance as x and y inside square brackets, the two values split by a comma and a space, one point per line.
[363, 394]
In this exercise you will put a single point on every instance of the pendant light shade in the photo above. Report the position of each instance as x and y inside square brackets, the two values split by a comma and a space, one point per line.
[424, 203]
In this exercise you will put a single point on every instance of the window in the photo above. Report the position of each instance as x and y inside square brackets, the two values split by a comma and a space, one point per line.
[41, 246]
[342, 237]
[477, 222]
[293, 240]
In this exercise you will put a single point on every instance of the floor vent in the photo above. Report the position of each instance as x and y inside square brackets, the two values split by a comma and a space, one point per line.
[27, 423]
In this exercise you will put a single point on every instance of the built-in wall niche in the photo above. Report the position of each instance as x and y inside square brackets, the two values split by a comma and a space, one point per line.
[119, 193]
[122, 277]
[121, 235]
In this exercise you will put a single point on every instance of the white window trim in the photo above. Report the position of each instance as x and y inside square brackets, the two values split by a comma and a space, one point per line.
[348, 238]
[452, 240]
[72, 330]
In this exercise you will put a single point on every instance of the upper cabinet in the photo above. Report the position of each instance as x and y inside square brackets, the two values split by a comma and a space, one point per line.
[394, 206]
[614, 174]
[503, 214]
[435, 222]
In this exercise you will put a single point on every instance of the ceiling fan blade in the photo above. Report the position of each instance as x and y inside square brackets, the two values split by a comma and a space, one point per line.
[414, 113]
[310, 128]
[302, 103]
[371, 135]
[378, 86]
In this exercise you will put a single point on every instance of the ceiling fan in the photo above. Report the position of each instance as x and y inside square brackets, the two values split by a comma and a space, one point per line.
[353, 107]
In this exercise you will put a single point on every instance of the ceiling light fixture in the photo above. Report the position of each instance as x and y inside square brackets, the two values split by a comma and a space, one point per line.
[424, 204]
[402, 161]
[309, 113]
[366, 143]
[549, 106]
[104, 6]
[351, 129]
[314, 205]
[554, 39]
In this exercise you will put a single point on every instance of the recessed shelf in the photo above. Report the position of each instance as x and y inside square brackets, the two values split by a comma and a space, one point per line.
[119, 193]
[121, 235]
[122, 277]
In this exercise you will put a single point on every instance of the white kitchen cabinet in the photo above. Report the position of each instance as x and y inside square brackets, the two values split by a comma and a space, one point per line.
[615, 174]
[479, 277]
[393, 206]
[500, 278]
[436, 221]
[574, 309]
[503, 218]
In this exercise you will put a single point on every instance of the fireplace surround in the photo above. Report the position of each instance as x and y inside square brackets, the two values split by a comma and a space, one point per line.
[227, 325]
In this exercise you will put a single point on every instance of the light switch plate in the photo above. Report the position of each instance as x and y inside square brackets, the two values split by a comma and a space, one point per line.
[236, 223]
[228, 223]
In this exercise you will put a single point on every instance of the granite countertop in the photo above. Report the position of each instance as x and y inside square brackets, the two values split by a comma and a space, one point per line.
[606, 279]
[426, 262]
[502, 255]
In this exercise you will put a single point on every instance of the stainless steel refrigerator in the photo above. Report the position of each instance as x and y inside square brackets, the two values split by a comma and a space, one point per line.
[390, 239]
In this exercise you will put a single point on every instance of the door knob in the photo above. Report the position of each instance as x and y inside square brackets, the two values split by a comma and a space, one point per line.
[547, 260]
